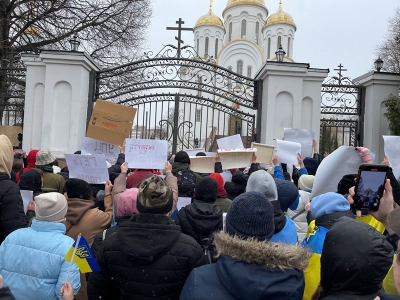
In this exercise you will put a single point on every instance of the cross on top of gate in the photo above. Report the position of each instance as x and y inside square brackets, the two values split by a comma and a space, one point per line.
[340, 72]
[178, 38]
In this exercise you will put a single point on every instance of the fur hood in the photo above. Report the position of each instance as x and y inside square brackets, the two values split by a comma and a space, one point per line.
[268, 254]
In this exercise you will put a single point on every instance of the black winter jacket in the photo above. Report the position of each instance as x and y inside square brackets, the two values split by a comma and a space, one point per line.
[147, 258]
[199, 220]
[12, 216]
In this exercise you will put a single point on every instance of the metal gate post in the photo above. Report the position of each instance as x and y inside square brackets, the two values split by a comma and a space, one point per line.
[176, 125]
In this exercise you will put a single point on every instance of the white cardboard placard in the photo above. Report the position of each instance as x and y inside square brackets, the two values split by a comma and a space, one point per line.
[236, 158]
[303, 136]
[146, 154]
[265, 153]
[91, 168]
[93, 146]
[27, 196]
[193, 152]
[230, 142]
[202, 164]
[183, 201]
[287, 152]
[392, 150]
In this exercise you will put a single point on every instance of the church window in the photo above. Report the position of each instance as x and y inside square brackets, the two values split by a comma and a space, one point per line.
[243, 32]
[199, 86]
[249, 71]
[269, 48]
[288, 46]
[198, 45]
[230, 32]
[216, 47]
[198, 115]
[257, 30]
[206, 46]
[279, 42]
[239, 68]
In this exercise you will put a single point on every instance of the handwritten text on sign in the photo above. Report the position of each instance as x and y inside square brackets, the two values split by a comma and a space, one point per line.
[94, 146]
[91, 168]
[146, 154]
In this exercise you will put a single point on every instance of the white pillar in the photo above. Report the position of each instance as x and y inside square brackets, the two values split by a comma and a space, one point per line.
[56, 100]
[379, 85]
[291, 98]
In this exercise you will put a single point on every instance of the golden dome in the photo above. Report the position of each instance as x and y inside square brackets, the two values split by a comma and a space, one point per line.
[280, 17]
[209, 19]
[232, 3]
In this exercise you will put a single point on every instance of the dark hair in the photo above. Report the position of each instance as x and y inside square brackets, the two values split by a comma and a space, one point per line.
[319, 293]
[18, 164]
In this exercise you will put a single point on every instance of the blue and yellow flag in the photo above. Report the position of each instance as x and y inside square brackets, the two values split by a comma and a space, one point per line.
[83, 256]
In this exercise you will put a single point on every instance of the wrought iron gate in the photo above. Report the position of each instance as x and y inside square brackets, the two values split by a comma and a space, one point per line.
[342, 107]
[183, 98]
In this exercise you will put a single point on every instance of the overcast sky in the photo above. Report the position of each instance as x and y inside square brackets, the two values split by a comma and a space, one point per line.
[329, 32]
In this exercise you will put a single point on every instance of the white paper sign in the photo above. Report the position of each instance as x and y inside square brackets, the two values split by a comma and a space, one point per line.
[202, 164]
[146, 154]
[183, 201]
[287, 152]
[236, 158]
[27, 196]
[392, 151]
[193, 152]
[265, 153]
[91, 168]
[230, 142]
[303, 136]
[94, 146]
[344, 160]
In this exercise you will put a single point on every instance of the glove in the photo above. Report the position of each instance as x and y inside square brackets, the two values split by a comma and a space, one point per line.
[364, 153]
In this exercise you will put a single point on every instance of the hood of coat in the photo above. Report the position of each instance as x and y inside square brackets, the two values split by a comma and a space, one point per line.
[31, 180]
[179, 166]
[77, 208]
[31, 159]
[148, 237]
[355, 258]
[267, 254]
[6, 155]
[239, 177]
[204, 217]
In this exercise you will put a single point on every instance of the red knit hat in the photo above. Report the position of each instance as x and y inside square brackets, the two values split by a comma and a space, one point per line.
[218, 178]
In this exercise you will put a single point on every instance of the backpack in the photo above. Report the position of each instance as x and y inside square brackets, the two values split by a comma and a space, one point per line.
[209, 249]
[187, 181]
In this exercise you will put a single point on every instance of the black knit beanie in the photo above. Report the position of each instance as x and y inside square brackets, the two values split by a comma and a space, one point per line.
[78, 188]
[182, 157]
[206, 190]
[251, 215]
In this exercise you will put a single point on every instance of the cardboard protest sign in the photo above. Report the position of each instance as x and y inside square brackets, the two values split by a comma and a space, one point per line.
[265, 153]
[91, 168]
[110, 122]
[230, 142]
[93, 146]
[202, 164]
[12, 133]
[193, 152]
[236, 158]
[303, 136]
[146, 154]
[27, 196]
[392, 150]
[287, 152]
[344, 160]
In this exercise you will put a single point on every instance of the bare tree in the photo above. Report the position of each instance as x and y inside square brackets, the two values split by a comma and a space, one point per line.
[389, 49]
[111, 31]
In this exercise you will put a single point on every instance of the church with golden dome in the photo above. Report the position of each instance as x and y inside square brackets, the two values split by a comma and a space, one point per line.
[246, 36]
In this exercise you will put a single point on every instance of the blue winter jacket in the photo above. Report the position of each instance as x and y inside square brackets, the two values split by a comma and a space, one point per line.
[249, 269]
[32, 261]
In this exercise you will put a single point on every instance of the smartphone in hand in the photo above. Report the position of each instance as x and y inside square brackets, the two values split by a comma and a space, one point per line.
[370, 184]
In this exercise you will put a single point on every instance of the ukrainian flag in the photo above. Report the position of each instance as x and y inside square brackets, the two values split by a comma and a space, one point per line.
[83, 256]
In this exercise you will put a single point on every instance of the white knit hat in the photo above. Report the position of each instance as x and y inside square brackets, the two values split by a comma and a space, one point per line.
[50, 207]
[306, 182]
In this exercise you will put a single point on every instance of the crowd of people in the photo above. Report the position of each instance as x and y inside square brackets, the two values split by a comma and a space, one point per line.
[249, 233]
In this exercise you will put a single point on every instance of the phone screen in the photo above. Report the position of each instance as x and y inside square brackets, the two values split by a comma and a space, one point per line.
[370, 188]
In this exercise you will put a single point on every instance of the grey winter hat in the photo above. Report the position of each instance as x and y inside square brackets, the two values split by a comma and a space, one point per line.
[251, 216]
[262, 182]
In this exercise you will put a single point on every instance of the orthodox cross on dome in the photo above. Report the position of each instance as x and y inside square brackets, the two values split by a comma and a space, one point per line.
[340, 72]
[211, 1]
[179, 37]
